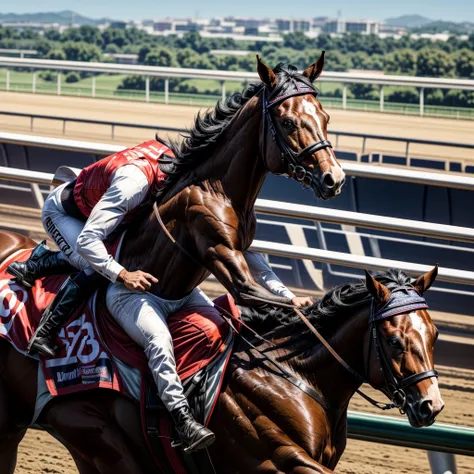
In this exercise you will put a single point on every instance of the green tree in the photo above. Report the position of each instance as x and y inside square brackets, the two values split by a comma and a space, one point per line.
[297, 40]
[57, 54]
[194, 41]
[112, 48]
[52, 35]
[161, 57]
[80, 51]
[404, 96]
[114, 35]
[433, 62]
[72, 77]
[364, 91]
[464, 60]
[337, 62]
[402, 61]
[43, 47]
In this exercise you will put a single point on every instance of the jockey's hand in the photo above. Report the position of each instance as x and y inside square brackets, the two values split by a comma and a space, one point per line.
[300, 301]
[137, 280]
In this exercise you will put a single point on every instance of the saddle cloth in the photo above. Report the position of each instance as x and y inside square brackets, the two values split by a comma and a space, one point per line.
[94, 352]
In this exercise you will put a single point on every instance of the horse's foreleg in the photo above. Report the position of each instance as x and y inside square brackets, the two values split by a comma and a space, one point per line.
[8, 451]
[86, 424]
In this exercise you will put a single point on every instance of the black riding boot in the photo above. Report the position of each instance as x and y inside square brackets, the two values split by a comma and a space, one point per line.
[73, 291]
[192, 435]
[42, 262]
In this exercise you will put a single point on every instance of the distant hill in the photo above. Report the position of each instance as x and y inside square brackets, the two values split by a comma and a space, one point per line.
[65, 17]
[464, 28]
[408, 21]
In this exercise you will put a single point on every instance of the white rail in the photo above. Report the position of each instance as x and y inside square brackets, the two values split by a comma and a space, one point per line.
[344, 77]
[351, 169]
[428, 229]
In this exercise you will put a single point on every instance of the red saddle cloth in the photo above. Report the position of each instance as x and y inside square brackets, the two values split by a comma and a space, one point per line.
[86, 343]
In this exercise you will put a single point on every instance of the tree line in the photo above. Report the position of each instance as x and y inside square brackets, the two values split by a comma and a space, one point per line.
[406, 56]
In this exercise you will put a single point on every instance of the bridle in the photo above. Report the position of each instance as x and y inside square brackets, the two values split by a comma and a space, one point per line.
[289, 156]
[404, 299]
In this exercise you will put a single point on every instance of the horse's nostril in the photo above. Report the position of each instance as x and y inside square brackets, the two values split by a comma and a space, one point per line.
[426, 409]
[328, 180]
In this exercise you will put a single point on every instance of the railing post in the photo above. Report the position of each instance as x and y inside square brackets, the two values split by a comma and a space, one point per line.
[33, 83]
[223, 89]
[7, 80]
[344, 96]
[93, 86]
[363, 145]
[31, 123]
[167, 90]
[442, 463]
[381, 98]
[147, 89]
[64, 127]
[59, 83]
[113, 132]
[422, 101]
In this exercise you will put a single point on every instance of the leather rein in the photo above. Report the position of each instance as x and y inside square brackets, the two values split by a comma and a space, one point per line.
[395, 386]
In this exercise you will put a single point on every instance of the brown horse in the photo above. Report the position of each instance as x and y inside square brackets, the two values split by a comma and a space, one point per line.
[264, 422]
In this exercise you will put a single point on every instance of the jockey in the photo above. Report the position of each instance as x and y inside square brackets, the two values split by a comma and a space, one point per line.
[79, 216]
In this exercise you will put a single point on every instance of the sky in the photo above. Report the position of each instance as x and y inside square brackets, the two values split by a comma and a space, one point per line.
[449, 10]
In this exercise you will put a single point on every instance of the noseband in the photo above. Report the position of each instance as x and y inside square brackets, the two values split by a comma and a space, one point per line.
[292, 158]
[402, 300]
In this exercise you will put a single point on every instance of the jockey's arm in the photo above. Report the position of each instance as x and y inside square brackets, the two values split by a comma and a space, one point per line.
[263, 274]
[127, 190]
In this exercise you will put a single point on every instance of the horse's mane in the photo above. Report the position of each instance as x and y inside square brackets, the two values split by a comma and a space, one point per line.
[326, 314]
[208, 127]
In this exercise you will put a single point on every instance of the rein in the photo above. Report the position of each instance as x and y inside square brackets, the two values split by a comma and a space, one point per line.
[402, 300]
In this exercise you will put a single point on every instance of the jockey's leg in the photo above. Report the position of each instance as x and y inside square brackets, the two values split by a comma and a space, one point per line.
[143, 317]
[76, 289]
[64, 230]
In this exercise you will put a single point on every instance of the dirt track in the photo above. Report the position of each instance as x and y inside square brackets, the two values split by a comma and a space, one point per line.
[182, 116]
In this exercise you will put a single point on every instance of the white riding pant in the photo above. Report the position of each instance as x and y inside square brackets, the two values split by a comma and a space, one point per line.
[143, 317]
[63, 229]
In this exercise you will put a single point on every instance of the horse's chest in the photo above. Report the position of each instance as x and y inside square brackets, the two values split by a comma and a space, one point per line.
[247, 229]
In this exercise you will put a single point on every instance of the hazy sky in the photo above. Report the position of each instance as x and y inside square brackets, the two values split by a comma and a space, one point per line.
[454, 10]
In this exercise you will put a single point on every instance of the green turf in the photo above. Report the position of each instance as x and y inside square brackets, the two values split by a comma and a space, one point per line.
[106, 87]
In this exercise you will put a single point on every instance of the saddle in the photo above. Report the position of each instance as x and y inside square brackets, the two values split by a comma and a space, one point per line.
[94, 352]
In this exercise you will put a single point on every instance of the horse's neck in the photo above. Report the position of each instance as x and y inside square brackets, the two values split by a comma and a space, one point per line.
[233, 169]
[234, 165]
[322, 371]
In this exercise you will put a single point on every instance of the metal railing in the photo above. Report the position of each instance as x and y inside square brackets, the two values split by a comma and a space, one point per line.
[337, 133]
[351, 169]
[427, 229]
[345, 78]
[397, 431]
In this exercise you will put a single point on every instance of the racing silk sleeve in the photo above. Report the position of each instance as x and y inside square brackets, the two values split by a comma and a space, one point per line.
[264, 275]
[128, 189]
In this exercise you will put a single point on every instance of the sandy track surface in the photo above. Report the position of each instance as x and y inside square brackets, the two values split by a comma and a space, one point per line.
[182, 116]
[40, 453]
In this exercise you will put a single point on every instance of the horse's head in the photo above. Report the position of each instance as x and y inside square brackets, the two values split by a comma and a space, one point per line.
[400, 348]
[294, 139]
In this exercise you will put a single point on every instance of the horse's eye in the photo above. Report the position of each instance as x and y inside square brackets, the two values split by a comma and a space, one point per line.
[288, 124]
[394, 342]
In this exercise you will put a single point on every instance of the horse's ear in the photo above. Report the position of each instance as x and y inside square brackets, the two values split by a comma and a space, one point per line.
[315, 70]
[424, 282]
[268, 77]
[379, 291]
